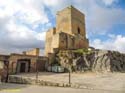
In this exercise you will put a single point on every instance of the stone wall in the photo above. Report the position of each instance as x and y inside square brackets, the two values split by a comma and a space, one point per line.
[49, 40]
[63, 21]
[3, 71]
[11, 64]
[69, 33]
[32, 81]
[96, 61]
[78, 21]
[14, 59]
[69, 20]
[33, 52]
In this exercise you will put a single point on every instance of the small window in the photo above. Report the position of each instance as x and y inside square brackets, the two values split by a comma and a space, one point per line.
[78, 30]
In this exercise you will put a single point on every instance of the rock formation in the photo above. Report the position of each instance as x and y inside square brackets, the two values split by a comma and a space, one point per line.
[96, 60]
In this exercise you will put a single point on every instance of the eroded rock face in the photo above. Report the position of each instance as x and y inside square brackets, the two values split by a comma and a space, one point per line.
[97, 61]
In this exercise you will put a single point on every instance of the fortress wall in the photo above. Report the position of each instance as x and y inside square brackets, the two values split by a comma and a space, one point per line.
[33, 52]
[49, 39]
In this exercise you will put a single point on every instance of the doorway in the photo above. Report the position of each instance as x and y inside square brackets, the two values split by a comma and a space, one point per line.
[22, 67]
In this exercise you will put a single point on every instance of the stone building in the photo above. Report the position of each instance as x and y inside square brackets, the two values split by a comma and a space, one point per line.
[69, 33]
[33, 52]
[28, 61]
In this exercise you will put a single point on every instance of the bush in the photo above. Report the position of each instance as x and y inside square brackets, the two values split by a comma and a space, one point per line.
[82, 51]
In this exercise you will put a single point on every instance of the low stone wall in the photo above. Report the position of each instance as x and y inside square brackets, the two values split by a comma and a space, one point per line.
[26, 80]
[20, 80]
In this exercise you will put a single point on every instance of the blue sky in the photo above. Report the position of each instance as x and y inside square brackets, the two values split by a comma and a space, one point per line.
[23, 23]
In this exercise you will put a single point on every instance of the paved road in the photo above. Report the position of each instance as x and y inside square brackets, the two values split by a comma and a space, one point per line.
[20, 88]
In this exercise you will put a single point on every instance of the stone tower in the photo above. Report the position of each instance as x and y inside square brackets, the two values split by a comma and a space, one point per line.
[71, 21]
[69, 32]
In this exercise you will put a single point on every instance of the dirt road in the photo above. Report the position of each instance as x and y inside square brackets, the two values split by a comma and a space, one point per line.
[107, 81]
[17, 88]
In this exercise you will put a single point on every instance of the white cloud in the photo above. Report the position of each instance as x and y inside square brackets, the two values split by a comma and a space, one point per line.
[56, 5]
[116, 43]
[41, 36]
[15, 36]
[99, 18]
[22, 33]
[19, 20]
[109, 2]
[107, 17]
[26, 11]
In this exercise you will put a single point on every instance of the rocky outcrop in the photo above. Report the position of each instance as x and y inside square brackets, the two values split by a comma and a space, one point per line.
[96, 61]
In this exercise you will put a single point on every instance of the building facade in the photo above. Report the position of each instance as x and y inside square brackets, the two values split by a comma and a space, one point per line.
[69, 33]
[30, 61]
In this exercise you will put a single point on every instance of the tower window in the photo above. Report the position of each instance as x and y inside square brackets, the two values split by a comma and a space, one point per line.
[78, 30]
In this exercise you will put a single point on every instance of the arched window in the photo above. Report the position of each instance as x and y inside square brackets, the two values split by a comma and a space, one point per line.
[78, 30]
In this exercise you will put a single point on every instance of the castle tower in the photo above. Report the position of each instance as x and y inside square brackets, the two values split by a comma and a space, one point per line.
[71, 21]
[69, 32]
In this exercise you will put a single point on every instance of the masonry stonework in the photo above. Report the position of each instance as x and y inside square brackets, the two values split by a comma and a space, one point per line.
[33, 52]
[25, 63]
[69, 32]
